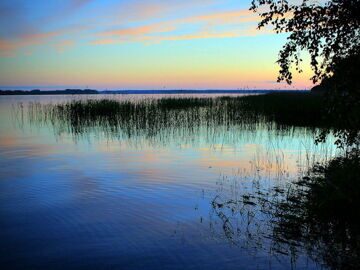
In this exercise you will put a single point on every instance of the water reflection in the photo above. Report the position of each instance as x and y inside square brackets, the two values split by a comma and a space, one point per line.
[137, 185]
[287, 220]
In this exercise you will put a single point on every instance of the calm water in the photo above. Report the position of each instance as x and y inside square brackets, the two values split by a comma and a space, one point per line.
[143, 201]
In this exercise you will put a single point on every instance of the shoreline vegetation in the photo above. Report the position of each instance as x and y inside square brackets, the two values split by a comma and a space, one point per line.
[280, 109]
[274, 111]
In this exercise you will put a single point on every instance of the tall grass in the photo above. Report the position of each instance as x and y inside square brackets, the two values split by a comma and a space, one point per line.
[149, 117]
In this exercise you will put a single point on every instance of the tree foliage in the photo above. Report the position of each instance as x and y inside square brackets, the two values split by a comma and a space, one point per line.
[343, 102]
[327, 30]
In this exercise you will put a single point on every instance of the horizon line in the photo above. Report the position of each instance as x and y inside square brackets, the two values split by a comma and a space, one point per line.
[149, 90]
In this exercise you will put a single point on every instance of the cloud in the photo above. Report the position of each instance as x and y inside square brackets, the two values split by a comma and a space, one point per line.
[225, 17]
[225, 24]
[64, 45]
[6, 48]
[149, 21]
[107, 41]
[27, 25]
[9, 47]
[138, 31]
[138, 10]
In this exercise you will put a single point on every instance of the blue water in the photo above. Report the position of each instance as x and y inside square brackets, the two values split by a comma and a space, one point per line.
[102, 203]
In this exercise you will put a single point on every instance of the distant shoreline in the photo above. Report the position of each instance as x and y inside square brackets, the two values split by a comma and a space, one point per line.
[139, 92]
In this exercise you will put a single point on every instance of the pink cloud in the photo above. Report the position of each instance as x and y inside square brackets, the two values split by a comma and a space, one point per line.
[64, 45]
[223, 24]
[143, 10]
[6, 48]
[9, 47]
[225, 17]
[103, 41]
[141, 30]
[150, 32]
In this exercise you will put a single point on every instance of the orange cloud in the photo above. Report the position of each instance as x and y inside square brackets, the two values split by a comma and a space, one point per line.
[226, 17]
[64, 45]
[223, 24]
[8, 48]
[141, 30]
[103, 41]
[199, 35]
[150, 32]
[143, 10]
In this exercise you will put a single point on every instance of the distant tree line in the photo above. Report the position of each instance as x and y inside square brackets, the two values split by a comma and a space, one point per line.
[55, 92]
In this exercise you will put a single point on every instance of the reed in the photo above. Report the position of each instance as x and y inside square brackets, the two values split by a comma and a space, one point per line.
[277, 111]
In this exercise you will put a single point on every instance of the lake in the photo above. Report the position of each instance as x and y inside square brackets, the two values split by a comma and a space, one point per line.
[143, 195]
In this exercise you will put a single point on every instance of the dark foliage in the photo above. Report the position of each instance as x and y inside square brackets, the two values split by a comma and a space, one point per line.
[343, 102]
[328, 30]
[291, 109]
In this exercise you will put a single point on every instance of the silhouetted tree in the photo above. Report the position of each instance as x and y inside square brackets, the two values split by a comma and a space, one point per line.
[329, 31]
[343, 101]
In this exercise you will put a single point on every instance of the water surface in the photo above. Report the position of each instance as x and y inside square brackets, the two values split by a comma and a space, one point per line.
[108, 199]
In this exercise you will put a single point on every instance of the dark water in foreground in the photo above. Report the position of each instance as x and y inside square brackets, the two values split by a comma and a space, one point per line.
[143, 201]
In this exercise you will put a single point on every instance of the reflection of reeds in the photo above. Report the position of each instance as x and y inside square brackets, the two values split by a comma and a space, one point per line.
[316, 215]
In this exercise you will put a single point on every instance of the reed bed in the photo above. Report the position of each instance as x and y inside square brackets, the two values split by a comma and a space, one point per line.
[149, 117]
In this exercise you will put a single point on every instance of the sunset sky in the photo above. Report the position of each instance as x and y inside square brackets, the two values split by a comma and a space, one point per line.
[137, 44]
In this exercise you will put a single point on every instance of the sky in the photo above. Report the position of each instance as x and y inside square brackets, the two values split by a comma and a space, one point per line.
[138, 44]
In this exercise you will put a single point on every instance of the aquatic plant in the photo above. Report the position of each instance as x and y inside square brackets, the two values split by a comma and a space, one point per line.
[182, 116]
